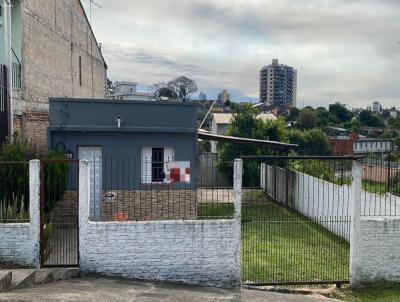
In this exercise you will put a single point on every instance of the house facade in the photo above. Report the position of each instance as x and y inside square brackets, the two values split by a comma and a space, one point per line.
[221, 121]
[49, 50]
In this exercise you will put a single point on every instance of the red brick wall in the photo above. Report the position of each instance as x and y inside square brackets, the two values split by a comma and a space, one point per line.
[340, 147]
[34, 129]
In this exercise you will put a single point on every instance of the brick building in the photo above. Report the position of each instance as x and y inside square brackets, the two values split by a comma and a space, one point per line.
[54, 53]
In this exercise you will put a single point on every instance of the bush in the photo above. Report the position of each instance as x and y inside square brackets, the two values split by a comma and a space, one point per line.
[14, 175]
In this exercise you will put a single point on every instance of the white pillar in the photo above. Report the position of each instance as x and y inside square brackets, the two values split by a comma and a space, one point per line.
[84, 200]
[355, 224]
[34, 209]
[237, 191]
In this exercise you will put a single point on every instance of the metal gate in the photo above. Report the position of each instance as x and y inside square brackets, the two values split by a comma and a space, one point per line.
[59, 216]
[3, 104]
[296, 220]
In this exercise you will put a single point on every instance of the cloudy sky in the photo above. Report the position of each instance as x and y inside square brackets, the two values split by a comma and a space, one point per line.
[344, 50]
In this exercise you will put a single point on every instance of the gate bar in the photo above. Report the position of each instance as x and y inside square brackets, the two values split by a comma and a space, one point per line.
[322, 157]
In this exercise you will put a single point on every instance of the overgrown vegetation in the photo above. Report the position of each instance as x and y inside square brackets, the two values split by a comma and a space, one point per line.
[14, 176]
[13, 212]
[246, 124]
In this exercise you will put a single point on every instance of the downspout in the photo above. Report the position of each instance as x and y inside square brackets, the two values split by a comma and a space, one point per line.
[8, 61]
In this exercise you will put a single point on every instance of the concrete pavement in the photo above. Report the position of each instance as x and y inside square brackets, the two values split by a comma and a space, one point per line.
[99, 289]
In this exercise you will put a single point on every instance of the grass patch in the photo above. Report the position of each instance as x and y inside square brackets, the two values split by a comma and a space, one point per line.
[382, 293]
[374, 187]
[281, 245]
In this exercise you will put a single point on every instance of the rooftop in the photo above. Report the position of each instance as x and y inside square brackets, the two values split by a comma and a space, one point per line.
[226, 118]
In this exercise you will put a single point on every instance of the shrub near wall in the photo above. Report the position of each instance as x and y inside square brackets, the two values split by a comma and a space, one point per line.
[14, 176]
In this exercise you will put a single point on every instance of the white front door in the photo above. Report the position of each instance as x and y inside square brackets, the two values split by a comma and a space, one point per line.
[94, 156]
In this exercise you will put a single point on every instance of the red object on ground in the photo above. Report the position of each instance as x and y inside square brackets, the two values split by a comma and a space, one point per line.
[121, 216]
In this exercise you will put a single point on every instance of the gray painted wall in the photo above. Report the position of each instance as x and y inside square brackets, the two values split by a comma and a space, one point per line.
[75, 123]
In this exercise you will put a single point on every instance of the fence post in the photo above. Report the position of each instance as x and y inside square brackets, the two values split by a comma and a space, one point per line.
[34, 209]
[84, 206]
[237, 191]
[355, 224]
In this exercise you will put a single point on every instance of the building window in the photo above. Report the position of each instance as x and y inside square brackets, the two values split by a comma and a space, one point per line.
[154, 163]
[80, 71]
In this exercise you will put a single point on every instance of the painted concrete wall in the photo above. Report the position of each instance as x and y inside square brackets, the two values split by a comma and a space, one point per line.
[194, 252]
[19, 242]
[378, 250]
[324, 201]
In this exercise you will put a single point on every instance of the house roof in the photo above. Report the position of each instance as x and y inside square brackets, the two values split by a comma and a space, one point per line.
[202, 134]
[226, 118]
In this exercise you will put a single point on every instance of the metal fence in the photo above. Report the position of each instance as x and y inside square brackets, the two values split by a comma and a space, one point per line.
[130, 189]
[296, 220]
[59, 216]
[380, 185]
[14, 192]
[16, 75]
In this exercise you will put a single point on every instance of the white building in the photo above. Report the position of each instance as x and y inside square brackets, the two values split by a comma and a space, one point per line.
[221, 121]
[224, 96]
[202, 96]
[128, 91]
[278, 85]
[366, 146]
[376, 107]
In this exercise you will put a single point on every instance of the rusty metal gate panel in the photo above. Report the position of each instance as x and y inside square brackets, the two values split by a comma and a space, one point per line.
[59, 216]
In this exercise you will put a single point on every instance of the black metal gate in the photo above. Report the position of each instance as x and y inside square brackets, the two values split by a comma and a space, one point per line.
[59, 216]
[3, 104]
[296, 220]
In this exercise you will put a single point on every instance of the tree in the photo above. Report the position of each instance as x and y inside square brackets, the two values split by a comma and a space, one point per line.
[182, 88]
[293, 115]
[307, 118]
[367, 118]
[324, 117]
[340, 113]
[110, 87]
[246, 124]
[311, 142]
[165, 92]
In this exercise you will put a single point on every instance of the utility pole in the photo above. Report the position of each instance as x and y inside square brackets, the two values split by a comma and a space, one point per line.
[8, 62]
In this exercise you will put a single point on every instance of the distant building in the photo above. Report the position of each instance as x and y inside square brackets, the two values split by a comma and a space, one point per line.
[127, 91]
[224, 96]
[394, 113]
[356, 144]
[278, 85]
[376, 107]
[221, 121]
[202, 96]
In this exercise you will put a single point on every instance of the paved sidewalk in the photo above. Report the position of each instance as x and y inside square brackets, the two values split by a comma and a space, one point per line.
[98, 289]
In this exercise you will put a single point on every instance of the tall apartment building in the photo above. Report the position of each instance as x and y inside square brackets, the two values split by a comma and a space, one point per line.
[278, 85]
[47, 49]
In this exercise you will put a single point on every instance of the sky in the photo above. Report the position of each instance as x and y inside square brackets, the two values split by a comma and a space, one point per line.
[344, 51]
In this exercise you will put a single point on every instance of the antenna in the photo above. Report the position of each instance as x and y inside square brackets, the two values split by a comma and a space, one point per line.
[92, 2]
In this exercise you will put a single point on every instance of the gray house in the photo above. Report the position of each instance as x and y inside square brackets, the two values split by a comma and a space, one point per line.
[132, 145]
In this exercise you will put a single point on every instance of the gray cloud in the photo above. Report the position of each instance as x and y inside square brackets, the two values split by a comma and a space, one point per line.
[344, 50]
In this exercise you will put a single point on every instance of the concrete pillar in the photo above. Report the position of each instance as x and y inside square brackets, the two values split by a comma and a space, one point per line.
[84, 205]
[237, 190]
[262, 177]
[34, 209]
[355, 208]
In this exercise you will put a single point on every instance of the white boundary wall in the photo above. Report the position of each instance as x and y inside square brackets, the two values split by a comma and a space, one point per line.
[374, 241]
[19, 242]
[193, 252]
[321, 201]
